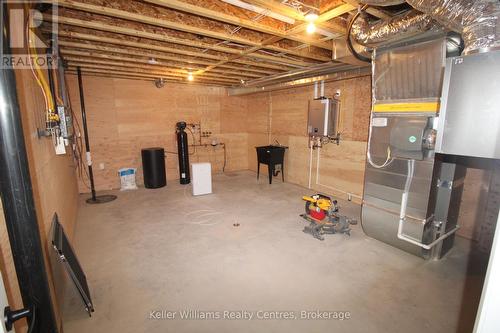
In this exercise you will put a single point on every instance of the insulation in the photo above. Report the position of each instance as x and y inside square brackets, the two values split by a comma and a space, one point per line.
[399, 27]
[477, 21]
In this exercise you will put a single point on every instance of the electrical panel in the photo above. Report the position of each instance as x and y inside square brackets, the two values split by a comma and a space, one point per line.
[323, 117]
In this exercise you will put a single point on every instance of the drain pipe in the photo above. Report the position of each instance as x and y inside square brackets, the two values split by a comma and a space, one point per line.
[310, 162]
[19, 205]
[402, 214]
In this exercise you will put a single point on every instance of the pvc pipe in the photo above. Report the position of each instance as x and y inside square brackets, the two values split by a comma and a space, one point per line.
[322, 89]
[316, 90]
[260, 10]
[431, 245]
[310, 162]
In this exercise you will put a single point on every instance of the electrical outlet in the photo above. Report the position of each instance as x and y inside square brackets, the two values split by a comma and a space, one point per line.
[101, 166]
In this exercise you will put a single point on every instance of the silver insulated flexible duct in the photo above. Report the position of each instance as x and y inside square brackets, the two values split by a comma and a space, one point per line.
[400, 27]
[477, 21]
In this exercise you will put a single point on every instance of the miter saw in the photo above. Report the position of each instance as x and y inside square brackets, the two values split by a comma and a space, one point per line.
[323, 214]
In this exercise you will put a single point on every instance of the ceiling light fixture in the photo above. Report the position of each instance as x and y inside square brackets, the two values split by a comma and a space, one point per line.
[311, 28]
[311, 16]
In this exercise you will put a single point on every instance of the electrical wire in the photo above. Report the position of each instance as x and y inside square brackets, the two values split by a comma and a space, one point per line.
[348, 36]
[78, 151]
[37, 72]
[389, 159]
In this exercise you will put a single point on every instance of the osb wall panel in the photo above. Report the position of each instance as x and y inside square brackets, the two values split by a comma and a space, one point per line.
[125, 116]
[288, 108]
[341, 170]
[257, 126]
[54, 187]
[259, 109]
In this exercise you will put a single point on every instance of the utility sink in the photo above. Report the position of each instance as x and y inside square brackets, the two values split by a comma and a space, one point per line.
[271, 155]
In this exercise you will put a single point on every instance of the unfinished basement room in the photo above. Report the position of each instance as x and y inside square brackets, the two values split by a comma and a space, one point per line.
[250, 166]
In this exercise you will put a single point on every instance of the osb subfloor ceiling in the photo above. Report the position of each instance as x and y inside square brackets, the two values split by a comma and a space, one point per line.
[218, 41]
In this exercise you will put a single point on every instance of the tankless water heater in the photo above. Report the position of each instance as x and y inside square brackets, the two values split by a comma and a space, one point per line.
[323, 117]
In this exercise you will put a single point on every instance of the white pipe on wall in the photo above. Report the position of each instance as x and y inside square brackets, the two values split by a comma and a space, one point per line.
[402, 214]
[322, 89]
[310, 161]
[260, 10]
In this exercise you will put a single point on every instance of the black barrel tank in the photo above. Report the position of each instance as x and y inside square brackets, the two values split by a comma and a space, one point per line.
[183, 153]
[153, 167]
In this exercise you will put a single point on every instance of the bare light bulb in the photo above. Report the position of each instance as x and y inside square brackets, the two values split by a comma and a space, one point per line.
[190, 77]
[311, 28]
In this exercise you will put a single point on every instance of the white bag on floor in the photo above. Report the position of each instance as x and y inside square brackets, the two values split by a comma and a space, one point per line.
[127, 179]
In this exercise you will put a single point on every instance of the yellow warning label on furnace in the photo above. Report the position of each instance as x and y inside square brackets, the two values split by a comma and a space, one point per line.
[407, 107]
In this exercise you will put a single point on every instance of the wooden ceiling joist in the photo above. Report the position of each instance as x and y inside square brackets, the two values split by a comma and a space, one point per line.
[325, 17]
[137, 62]
[145, 19]
[139, 75]
[141, 68]
[170, 39]
[73, 71]
[113, 76]
[258, 67]
[279, 8]
[155, 56]
[158, 74]
[197, 10]
[219, 42]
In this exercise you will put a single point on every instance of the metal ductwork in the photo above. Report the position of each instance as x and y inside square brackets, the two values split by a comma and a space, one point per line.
[477, 21]
[400, 27]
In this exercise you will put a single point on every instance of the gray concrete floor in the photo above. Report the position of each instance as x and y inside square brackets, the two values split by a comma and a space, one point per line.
[164, 250]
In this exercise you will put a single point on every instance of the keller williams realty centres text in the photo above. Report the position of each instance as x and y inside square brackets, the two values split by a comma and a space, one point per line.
[248, 315]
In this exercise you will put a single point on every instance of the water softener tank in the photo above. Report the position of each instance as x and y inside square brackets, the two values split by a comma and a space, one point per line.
[183, 152]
